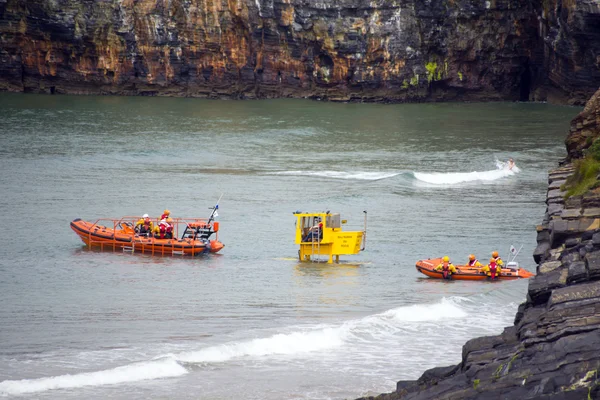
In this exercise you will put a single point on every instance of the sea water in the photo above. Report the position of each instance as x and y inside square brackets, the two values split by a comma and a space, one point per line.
[252, 322]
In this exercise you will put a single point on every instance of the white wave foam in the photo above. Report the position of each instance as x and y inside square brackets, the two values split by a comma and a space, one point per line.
[358, 175]
[303, 340]
[322, 338]
[432, 312]
[293, 343]
[452, 178]
[164, 368]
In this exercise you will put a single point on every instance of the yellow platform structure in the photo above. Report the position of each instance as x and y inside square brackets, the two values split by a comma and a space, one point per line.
[321, 234]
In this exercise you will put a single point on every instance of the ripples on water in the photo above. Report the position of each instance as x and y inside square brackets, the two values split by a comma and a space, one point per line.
[252, 322]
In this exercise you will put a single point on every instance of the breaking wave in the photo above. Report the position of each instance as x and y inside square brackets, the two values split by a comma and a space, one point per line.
[147, 370]
[453, 178]
[294, 341]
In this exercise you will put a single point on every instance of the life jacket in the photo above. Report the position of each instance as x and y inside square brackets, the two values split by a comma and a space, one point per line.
[164, 227]
[493, 270]
[473, 263]
[446, 270]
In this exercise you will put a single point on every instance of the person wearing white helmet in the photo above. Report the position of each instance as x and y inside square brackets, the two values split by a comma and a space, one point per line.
[144, 226]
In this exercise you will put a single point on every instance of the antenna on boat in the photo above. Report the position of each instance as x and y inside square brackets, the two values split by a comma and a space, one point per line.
[215, 208]
[364, 232]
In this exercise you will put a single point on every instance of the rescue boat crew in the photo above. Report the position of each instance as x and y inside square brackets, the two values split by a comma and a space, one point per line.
[493, 270]
[497, 259]
[447, 268]
[473, 262]
[164, 229]
[144, 226]
[169, 229]
[165, 214]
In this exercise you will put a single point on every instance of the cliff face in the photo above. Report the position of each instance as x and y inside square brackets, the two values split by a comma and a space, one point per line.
[585, 128]
[379, 50]
[571, 33]
[552, 350]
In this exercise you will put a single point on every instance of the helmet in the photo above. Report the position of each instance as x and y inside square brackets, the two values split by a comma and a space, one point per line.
[471, 257]
[167, 212]
[446, 259]
[492, 260]
[494, 254]
[145, 216]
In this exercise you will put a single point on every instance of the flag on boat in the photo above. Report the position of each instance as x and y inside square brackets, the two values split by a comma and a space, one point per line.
[513, 250]
[215, 214]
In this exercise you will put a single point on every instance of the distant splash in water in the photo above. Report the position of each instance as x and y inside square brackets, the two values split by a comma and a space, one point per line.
[293, 341]
[357, 175]
[452, 178]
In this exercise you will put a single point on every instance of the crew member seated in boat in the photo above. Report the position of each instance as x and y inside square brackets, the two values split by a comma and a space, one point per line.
[165, 214]
[447, 268]
[473, 262]
[497, 259]
[169, 229]
[144, 226]
[316, 231]
[493, 270]
[164, 230]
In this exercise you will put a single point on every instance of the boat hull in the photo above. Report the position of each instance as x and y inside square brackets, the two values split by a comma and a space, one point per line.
[124, 238]
[466, 273]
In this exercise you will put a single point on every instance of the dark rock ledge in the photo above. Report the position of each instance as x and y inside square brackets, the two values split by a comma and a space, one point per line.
[553, 349]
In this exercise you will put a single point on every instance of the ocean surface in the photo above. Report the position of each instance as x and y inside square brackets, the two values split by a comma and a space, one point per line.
[252, 322]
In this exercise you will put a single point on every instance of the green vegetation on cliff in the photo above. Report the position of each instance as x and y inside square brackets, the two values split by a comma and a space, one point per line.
[586, 173]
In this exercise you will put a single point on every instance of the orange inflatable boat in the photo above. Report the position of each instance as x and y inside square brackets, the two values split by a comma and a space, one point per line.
[466, 273]
[190, 236]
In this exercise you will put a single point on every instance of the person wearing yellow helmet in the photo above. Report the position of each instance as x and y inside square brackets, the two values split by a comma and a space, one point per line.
[497, 259]
[446, 267]
[492, 270]
[473, 262]
[165, 214]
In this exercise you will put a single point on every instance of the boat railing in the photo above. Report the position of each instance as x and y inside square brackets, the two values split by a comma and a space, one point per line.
[130, 221]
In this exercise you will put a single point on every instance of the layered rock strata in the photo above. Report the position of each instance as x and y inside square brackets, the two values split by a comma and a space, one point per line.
[553, 349]
[379, 50]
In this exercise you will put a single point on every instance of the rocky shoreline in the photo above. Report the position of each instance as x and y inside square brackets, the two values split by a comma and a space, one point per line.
[553, 349]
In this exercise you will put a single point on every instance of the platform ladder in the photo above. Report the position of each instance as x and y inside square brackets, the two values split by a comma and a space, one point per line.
[316, 245]
[131, 249]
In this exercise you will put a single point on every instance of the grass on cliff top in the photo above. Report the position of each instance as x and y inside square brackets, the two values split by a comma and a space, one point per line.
[586, 173]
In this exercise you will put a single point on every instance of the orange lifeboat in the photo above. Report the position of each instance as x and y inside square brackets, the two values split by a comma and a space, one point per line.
[119, 234]
[467, 273]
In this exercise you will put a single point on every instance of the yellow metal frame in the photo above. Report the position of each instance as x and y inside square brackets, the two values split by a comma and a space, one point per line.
[333, 242]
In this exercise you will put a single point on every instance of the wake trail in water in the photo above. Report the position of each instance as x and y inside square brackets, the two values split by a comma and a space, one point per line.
[294, 341]
[452, 178]
[357, 175]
